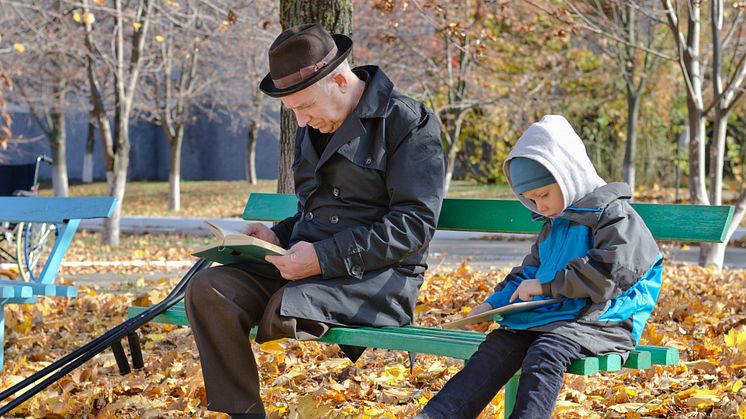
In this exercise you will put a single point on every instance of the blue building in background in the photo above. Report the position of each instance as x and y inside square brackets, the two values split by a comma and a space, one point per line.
[210, 151]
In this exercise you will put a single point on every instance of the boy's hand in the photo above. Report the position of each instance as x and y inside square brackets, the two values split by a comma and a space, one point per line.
[527, 289]
[261, 231]
[479, 327]
[300, 263]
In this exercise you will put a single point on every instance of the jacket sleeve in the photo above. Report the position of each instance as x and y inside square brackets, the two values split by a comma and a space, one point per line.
[415, 173]
[284, 228]
[624, 250]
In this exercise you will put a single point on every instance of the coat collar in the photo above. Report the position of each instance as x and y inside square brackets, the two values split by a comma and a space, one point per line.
[378, 89]
[588, 209]
[373, 104]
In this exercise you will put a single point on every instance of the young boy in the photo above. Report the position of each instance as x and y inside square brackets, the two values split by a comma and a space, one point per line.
[594, 251]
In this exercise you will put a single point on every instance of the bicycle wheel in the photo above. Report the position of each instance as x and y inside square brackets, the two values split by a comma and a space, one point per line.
[34, 245]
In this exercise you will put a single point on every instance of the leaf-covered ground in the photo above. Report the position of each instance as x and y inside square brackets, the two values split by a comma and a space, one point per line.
[701, 312]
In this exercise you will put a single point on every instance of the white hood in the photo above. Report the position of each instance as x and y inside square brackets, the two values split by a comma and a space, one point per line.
[553, 143]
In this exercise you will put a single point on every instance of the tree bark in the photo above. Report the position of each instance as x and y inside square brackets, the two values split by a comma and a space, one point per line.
[714, 254]
[126, 75]
[57, 143]
[257, 103]
[336, 16]
[174, 171]
[87, 175]
[251, 152]
[288, 128]
[630, 151]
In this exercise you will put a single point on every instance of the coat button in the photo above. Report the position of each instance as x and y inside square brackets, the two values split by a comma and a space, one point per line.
[368, 161]
[357, 270]
[335, 191]
[334, 219]
[308, 216]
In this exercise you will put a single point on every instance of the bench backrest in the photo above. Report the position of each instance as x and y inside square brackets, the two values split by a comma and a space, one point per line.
[692, 223]
[34, 209]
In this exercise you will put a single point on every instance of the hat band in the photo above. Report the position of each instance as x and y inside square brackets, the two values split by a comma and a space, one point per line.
[305, 72]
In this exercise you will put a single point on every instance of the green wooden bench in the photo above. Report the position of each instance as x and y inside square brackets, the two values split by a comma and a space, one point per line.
[65, 214]
[688, 223]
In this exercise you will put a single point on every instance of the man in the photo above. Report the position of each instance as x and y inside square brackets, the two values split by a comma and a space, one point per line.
[369, 170]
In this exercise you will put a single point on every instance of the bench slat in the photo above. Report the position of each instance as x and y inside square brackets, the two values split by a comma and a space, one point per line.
[14, 291]
[49, 290]
[661, 355]
[639, 359]
[34, 209]
[510, 216]
[459, 344]
[584, 366]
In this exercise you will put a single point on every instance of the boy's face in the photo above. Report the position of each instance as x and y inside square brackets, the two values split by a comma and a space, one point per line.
[548, 199]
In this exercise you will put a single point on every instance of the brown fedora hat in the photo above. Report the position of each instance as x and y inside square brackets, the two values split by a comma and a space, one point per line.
[301, 56]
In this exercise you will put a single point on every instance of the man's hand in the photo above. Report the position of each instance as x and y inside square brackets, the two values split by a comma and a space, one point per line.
[527, 289]
[300, 263]
[479, 327]
[261, 231]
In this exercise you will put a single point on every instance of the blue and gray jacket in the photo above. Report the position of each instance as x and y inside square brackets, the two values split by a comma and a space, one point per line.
[597, 255]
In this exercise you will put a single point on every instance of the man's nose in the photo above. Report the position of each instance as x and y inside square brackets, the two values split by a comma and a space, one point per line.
[301, 118]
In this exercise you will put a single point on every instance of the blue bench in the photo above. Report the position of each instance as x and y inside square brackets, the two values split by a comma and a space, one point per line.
[684, 223]
[65, 214]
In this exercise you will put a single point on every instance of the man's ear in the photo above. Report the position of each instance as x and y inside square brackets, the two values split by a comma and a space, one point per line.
[341, 81]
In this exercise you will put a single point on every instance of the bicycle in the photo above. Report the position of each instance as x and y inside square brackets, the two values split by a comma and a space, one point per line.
[27, 245]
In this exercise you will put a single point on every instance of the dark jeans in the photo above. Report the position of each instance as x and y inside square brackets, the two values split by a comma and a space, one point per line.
[543, 358]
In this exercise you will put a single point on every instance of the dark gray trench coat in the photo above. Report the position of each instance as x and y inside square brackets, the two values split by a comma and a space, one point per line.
[369, 204]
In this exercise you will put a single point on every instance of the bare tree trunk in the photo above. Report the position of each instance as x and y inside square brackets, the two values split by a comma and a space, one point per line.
[695, 104]
[697, 188]
[174, 171]
[630, 151]
[713, 254]
[251, 152]
[257, 103]
[682, 144]
[98, 112]
[452, 154]
[57, 142]
[717, 154]
[336, 16]
[87, 175]
[288, 127]
[116, 181]
[126, 75]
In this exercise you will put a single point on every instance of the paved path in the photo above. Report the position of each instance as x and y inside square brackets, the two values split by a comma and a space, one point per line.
[447, 250]
[445, 253]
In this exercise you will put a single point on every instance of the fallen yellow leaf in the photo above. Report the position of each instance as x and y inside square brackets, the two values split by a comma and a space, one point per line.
[736, 338]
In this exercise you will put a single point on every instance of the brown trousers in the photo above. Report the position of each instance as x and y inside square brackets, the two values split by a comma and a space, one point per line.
[223, 304]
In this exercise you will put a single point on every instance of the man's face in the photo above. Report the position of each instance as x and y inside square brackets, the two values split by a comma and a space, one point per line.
[320, 106]
[548, 199]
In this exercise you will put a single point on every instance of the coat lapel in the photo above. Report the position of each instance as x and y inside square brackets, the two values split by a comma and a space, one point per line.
[351, 128]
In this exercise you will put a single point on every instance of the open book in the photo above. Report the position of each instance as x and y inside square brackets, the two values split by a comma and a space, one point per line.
[496, 313]
[233, 246]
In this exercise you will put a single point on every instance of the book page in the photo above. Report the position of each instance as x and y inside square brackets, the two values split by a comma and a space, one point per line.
[222, 232]
[232, 246]
[491, 315]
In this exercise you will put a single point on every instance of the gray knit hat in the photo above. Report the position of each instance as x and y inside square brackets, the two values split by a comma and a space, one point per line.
[527, 174]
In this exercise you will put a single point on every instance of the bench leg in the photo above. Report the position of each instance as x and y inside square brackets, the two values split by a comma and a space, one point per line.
[511, 391]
